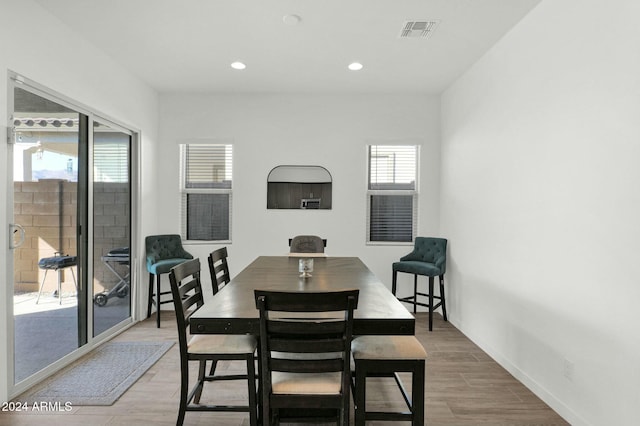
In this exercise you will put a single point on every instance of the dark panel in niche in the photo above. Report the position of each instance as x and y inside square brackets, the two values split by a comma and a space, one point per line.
[299, 187]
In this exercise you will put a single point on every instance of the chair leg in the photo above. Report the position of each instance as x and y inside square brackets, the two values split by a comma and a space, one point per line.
[415, 293]
[158, 301]
[265, 405]
[201, 372]
[251, 387]
[184, 391]
[214, 365]
[417, 394]
[430, 303]
[150, 297]
[343, 416]
[360, 396]
[394, 282]
[444, 306]
[259, 380]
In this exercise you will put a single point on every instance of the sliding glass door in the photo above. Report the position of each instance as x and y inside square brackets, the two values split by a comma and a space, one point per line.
[111, 179]
[72, 228]
[47, 264]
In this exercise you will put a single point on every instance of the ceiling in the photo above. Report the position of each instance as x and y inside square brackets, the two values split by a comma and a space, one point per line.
[188, 45]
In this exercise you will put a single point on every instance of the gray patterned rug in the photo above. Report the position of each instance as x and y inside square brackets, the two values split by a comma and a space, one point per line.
[101, 377]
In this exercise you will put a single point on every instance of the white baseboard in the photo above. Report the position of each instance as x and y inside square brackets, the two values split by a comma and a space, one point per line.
[540, 391]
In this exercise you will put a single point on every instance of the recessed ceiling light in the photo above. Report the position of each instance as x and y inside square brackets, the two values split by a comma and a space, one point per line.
[355, 66]
[238, 66]
[291, 19]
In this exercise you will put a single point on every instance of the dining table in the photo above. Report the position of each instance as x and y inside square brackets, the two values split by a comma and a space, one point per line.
[233, 309]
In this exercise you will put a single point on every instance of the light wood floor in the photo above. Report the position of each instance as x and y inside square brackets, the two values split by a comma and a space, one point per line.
[464, 386]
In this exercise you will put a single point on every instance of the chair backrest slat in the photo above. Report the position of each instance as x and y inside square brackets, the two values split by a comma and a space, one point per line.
[186, 290]
[219, 269]
[302, 327]
[307, 345]
[332, 365]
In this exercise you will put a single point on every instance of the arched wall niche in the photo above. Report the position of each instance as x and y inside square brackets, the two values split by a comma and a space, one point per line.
[299, 187]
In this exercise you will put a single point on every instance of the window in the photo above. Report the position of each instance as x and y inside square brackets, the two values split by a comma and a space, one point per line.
[206, 191]
[392, 195]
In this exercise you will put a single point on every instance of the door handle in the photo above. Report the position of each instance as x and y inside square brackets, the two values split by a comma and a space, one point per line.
[13, 228]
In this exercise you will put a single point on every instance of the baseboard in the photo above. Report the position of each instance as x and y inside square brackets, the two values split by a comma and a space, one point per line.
[540, 391]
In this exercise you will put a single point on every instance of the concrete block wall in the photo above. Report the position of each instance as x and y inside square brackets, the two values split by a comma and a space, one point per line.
[111, 229]
[47, 210]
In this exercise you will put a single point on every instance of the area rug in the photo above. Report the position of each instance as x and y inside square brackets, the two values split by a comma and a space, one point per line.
[101, 377]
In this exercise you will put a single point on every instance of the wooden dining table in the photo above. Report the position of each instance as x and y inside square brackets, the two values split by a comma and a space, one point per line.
[233, 310]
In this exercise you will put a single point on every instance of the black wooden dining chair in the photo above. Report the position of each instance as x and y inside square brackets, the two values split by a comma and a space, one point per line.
[187, 294]
[220, 277]
[219, 269]
[305, 352]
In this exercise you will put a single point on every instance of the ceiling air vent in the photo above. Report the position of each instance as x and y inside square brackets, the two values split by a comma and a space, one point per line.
[418, 29]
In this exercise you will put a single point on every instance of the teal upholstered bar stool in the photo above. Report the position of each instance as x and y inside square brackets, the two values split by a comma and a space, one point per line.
[163, 253]
[428, 258]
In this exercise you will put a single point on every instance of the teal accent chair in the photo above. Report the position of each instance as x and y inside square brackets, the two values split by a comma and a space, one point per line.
[163, 253]
[428, 258]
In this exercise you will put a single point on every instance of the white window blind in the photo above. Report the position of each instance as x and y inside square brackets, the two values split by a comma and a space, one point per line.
[206, 185]
[111, 161]
[392, 194]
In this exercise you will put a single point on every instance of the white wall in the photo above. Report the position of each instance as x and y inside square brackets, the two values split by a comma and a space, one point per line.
[326, 130]
[540, 201]
[39, 47]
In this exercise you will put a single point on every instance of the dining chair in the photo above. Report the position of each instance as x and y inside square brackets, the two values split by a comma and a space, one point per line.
[220, 277]
[305, 352]
[219, 269]
[163, 253]
[428, 258]
[387, 356]
[186, 289]
[307, 244]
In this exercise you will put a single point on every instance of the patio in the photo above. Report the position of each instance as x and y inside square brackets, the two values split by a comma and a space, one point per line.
[47, 330]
